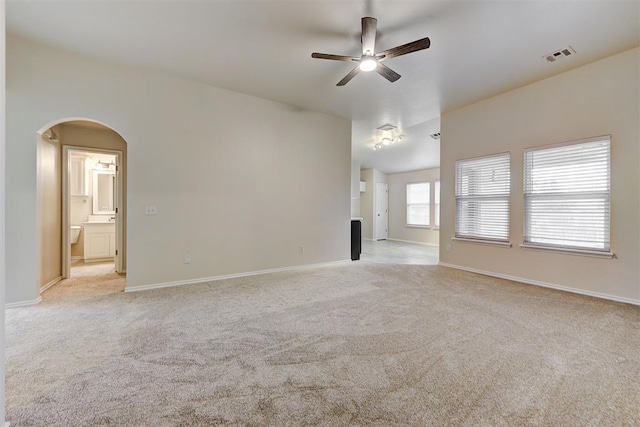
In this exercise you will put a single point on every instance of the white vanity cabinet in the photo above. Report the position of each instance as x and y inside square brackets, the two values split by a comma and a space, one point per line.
[79, 176]
[99, 241]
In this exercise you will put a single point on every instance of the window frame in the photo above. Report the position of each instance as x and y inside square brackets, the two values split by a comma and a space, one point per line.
[595, 195]
[428, 205]
[504, 196]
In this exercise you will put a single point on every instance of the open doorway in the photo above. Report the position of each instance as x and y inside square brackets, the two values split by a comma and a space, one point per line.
[93, 184]
[82, 195]
[398, 227]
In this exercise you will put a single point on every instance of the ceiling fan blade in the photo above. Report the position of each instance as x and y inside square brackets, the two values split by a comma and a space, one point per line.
[349, 76]
[404, 49]
[369, 35]
[333, 57]
[387, 72]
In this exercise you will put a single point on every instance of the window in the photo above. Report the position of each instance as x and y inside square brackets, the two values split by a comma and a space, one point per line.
[482, 198]
[418, 195]
[566, 195]
[436, 200]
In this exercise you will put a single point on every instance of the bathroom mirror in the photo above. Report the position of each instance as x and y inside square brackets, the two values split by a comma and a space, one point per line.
[104, 192]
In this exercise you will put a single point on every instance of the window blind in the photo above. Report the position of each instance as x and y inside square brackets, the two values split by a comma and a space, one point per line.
[482, 197]
[566, 194]
[418, 195]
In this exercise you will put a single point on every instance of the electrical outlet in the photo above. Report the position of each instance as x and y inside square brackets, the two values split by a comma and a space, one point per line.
[448, 247]
[301, 249]
[186, 259]
[150, 210]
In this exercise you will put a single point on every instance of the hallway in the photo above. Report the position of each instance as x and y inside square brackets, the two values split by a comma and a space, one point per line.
[393, 252]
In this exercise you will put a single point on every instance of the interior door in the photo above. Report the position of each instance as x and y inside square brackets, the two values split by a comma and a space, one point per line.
[382, 211]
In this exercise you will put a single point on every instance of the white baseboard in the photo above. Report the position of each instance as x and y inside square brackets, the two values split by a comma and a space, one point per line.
[415, 243]
[76, 258]
[23, 303]
[230, 276]
[50, 284]
[368, 239]
[543, 284]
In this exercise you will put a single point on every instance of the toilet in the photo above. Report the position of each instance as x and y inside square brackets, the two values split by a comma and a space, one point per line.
[75, 233]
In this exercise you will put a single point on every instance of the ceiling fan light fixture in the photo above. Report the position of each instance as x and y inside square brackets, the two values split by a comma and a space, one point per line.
[370, 60]
[368, 64]
[386, 141]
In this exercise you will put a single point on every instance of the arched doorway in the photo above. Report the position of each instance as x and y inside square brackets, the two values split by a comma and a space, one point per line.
[93, 201]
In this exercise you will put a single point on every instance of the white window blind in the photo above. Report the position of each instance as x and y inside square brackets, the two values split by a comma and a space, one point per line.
[436, 199]
[566, 194]
[482, 197]
[418, 195]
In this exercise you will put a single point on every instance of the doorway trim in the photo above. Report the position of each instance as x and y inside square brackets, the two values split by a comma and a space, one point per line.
[67, 150]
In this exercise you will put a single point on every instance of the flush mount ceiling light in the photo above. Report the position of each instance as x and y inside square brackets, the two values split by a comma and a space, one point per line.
[387, 141]
[389, 135]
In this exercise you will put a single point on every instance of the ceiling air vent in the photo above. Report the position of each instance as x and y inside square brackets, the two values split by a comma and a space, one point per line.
[435, 135]
[387, 127]
[567, 51]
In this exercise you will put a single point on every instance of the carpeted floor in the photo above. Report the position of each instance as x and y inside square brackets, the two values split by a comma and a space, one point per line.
[357, 344]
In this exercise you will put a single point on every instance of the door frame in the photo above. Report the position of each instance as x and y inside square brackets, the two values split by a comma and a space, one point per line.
[67, 150]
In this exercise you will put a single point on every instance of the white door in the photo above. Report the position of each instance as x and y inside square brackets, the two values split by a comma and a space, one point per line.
[382, 211]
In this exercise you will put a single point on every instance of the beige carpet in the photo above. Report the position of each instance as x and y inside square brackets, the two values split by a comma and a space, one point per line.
[359, 344]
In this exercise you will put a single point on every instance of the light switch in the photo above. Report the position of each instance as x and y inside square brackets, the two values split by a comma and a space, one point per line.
[151, 210]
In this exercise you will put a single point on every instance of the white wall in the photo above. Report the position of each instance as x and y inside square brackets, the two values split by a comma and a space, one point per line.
[355, 190]
[239, 182]
[398, 229]
[597, 99]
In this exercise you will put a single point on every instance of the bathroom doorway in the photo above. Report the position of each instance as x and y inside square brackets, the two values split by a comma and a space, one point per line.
[93, 187]
[82, 199]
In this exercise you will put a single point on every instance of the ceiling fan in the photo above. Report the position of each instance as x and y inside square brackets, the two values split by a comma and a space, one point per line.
[370, 60]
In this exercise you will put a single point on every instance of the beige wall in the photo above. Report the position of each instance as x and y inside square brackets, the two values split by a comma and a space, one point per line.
[398, 229]
[366, 204]
[50, 208]
[239, 182]
[355, 190]
[598, 99]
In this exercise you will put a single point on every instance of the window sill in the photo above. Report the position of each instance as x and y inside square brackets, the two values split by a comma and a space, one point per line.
[568, 251]
[416, 226]
[482, 242]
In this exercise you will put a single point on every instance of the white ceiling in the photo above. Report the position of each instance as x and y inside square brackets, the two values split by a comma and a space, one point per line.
[479, 48]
